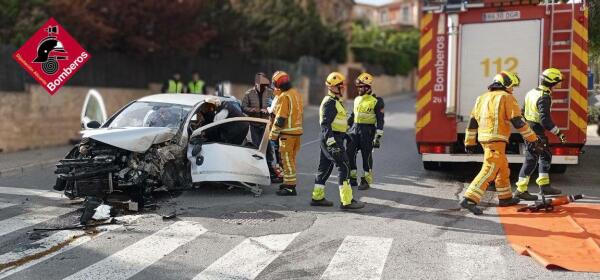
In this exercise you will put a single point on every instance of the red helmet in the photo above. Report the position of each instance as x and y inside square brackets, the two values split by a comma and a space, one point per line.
[280, 78]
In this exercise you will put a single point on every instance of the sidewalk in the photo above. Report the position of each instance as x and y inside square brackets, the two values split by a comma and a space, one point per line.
[15, 163]
[592, 136]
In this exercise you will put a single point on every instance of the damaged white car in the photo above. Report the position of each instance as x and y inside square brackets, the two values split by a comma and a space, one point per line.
[159, 142]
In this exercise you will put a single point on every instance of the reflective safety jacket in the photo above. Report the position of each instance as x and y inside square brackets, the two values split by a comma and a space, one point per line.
[368, 109]
[492, 116]
[289, 113]
[332, 116]
[537, 111]
[196, 87]
[175, 87]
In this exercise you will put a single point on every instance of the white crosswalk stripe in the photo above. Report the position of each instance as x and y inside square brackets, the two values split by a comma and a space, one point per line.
[31, 218]
[43, 243]
[248, 259]
[474, 261]
[5, 205]
[359, 257]
[135, 258]
[31, 192]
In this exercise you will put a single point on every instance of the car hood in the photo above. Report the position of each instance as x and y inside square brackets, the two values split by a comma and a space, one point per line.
[135, 139]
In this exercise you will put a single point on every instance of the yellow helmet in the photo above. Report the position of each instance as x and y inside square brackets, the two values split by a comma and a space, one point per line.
[364, 79]
[552, 75]
[334, 79]
[507, 79]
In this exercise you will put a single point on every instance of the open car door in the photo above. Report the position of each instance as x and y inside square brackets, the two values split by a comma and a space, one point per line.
[232, 151]
[93, 113]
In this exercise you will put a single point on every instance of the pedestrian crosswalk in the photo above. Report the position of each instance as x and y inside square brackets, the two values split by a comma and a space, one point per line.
[163, 243]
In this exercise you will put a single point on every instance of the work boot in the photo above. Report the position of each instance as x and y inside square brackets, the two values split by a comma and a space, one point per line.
[508, 202]
[286, 190]
[364, 185]
[353, 182]
[353, 205]
[323, 202]
[525, 195]
[471, 206]
[276, 179]
[548, 190]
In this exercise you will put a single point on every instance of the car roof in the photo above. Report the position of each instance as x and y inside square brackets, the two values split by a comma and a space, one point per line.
[177, 98]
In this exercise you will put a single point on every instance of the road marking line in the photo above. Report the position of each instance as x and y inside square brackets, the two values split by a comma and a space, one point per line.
[5, 204]
[310, 142]
[31, 192]
[249, 258]
[359, 257]
[474, 261]
[47, 242]
[28, 219]
[135, 258]
[393, 204]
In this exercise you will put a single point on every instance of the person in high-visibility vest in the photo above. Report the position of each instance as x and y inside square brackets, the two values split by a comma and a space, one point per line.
[538, 102]
[366, 130]
[289, 114]
[173, 85]
[490, 122]
[196, 85]
[334, 125]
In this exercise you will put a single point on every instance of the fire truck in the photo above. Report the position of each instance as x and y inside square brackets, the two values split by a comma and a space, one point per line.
[463, 44]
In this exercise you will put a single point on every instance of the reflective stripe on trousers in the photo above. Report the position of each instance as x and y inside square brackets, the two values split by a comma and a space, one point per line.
[495, 168]
[289, 145]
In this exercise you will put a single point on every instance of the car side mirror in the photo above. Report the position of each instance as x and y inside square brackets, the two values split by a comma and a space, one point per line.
[93, 124]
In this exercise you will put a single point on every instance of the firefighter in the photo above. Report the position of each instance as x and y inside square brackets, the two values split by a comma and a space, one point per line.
[196, 85]
[334, 125]
[173, 85]
[490, 121]
[287, 129]
[366, 130]
[537, 113]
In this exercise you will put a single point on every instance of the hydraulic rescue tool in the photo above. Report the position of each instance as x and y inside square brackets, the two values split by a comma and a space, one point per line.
[549, 204]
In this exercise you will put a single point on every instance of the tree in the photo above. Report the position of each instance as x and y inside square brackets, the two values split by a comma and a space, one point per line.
[395, 50]
[282, 29]
[19, 19]
[138, 27]
[594, 28]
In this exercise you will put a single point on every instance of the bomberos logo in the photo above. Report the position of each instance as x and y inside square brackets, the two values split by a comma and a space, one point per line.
[51, 56]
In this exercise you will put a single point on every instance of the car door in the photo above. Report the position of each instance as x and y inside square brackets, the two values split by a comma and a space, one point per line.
[224, 151]
[93, 109]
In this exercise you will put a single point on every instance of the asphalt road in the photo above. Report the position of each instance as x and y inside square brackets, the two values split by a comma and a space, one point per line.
[410, 229]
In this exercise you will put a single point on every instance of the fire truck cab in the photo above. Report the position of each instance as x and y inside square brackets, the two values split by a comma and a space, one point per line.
[464, 44]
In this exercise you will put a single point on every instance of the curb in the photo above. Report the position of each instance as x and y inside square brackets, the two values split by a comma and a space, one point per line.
[18, 171]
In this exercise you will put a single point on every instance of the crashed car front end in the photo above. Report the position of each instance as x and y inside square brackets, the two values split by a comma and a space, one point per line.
[122, 162]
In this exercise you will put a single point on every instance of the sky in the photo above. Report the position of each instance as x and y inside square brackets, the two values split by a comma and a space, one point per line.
[373, 2]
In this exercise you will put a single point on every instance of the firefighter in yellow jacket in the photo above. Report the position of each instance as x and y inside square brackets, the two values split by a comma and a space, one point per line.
[490, 123]
[366, 130]
[287, 129]
[334, 125]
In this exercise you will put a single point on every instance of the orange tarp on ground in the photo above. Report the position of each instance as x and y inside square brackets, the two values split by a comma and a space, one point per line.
[568, 237]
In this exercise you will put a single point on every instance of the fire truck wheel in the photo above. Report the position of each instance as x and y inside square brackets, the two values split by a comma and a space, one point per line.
[432, 165]
[558, 168]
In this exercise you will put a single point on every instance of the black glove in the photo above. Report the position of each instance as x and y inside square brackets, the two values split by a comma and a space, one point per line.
[470, 149]
[539, 147]
[377, 142]
[335, 152]
[562, 137]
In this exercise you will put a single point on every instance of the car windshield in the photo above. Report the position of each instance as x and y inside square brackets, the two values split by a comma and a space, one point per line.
[151, 114]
